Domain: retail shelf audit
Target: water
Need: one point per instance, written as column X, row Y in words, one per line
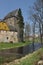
column 19, row 52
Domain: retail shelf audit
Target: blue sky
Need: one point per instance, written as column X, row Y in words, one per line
column 7, row 6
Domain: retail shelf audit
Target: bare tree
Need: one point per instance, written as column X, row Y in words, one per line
column 37, row 15
column 33, row 34
column 27, row 30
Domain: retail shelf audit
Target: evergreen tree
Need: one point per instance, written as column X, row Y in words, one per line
column 20, row 25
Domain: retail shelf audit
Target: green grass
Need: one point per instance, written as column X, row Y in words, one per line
column 13, row 45
column 33, row 58
column 30, row 59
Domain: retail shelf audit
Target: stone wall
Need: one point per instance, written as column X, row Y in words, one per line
column 11, row 21
column 8, row 36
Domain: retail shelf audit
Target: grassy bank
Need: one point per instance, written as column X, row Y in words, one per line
column 10, row 58
column 30, row 59
column 13, row 45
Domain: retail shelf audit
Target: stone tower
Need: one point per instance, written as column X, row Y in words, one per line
column 12, row 21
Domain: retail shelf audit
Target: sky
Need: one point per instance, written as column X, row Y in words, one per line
column 7, row 6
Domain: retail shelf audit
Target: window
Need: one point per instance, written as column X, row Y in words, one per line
column 7, row 38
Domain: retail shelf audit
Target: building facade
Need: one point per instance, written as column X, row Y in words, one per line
column 9, row 29
column 6, row 35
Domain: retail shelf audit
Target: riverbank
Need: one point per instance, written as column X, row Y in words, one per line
column 8, row 55
column 13, row 45
column 30, row 59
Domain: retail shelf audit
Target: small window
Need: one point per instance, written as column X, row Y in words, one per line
column 7, row 37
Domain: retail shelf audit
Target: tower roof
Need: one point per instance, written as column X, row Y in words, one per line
column 14, row 13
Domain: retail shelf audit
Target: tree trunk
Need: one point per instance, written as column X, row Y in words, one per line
column 33, row 36
column 42, row 30
column 40, row 34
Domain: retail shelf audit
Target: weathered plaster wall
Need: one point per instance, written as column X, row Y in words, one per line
column 8, row 36
column 11, row 21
